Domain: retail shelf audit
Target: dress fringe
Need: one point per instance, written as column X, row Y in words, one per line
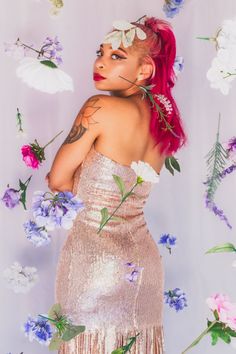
column 149, row 341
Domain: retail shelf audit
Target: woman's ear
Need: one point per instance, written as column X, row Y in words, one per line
column 147, row 69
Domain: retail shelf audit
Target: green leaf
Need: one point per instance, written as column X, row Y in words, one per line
column 105, row 215
column 214, row 338
column 55, row 311
column 48, row 63
column 216, row 160
column 72, row 331
column 118, row 351
column 22, row 185
column 225, row 337
column 55, row 342
column 168, row 165
column 120, row 184
column 175, row 163
column 226, row 247
column 117, row 218
column 230, row 331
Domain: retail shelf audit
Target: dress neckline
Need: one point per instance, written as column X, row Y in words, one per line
column 116, row 162
column 109, row 159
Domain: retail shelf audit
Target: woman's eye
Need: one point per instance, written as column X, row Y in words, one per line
column 117, row 56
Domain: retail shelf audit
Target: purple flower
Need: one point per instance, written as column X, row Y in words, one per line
column 176, row 298
column 36, row 234
column 51, row 47
column 167, row 241
column 232, row 145
column 178, row 64
column 133, row 276
column 38, row 329
column 11, row 198
column 210, row 204
column 172, row 7
column 54, row 211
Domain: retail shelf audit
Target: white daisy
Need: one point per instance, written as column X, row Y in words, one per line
column 124, row 33
column 44, row 76
column 144, row 172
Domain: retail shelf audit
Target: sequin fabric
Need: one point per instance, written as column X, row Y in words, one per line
column 94, row 283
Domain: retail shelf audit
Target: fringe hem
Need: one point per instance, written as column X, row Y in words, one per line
column 149, row 341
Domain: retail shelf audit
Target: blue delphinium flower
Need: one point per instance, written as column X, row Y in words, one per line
column 172, row 7
column 175, row 298
column 11, row 198
column 52, row 47
column 167, row 241
column 38, row 329
column 178, row 64
column 210, row 204
column 38, row 235
column 54, row 211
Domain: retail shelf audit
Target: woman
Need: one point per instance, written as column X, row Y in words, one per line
column 95, row 277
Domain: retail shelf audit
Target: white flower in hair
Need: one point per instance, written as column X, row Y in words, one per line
column 166, row 103
column 144, row 172
column 124, row 33
column 44, row 75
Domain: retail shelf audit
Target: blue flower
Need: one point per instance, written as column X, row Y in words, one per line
column 167, row 241
column 38, row 329
column 178, row 64
column 175, row 298
column 172, row 7
column 57, row 210
column 11, row 198
column 38, row 235
column 210, row 204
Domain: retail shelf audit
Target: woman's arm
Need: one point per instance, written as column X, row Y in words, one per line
column 87, row 127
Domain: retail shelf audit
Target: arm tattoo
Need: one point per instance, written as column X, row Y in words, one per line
column 85, row 118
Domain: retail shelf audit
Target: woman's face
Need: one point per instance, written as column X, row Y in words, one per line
column 111, row 64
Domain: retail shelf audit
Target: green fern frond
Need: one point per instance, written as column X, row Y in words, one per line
column 216, row 161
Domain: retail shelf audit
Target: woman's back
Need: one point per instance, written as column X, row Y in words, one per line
column 126, row 136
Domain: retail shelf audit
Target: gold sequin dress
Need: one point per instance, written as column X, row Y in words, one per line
column 111, row 282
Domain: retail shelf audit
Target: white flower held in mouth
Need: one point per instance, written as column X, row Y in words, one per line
column 144, row 172
column 124, row 33
column 44, row 76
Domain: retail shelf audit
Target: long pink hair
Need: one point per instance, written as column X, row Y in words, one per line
column 160, row 45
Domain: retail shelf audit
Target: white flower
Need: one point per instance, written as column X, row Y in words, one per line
column 227, row 35
column 124, row 33
column 20, row 279
column 145, row 171
column 217, row 76
column 14, row 50
column 42, row 77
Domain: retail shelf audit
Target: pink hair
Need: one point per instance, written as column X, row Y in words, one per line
column 160, row 46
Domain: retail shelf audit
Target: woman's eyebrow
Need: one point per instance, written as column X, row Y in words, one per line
column 101, row 45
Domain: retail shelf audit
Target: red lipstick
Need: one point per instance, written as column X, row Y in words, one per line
column 97, row 77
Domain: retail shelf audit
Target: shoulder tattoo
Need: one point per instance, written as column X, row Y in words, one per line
column 85, row 119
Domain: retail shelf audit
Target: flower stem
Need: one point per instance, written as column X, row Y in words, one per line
column 121, row 202
column 197, row 340
column 207, row 38
column 52, row 140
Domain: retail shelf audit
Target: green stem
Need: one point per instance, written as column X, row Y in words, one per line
column 207, row 38
column 228, row 75
column 52, row 140
column 200, row 337
column 122, row 201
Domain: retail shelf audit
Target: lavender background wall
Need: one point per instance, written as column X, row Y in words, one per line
column 175, row 205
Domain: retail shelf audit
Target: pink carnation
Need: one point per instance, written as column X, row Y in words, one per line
column 29, row 157
column 225, row 309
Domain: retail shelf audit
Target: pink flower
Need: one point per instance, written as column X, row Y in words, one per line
column 225, row 309
column 29, row 157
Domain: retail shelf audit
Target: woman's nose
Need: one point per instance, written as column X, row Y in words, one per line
column 99, row 64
